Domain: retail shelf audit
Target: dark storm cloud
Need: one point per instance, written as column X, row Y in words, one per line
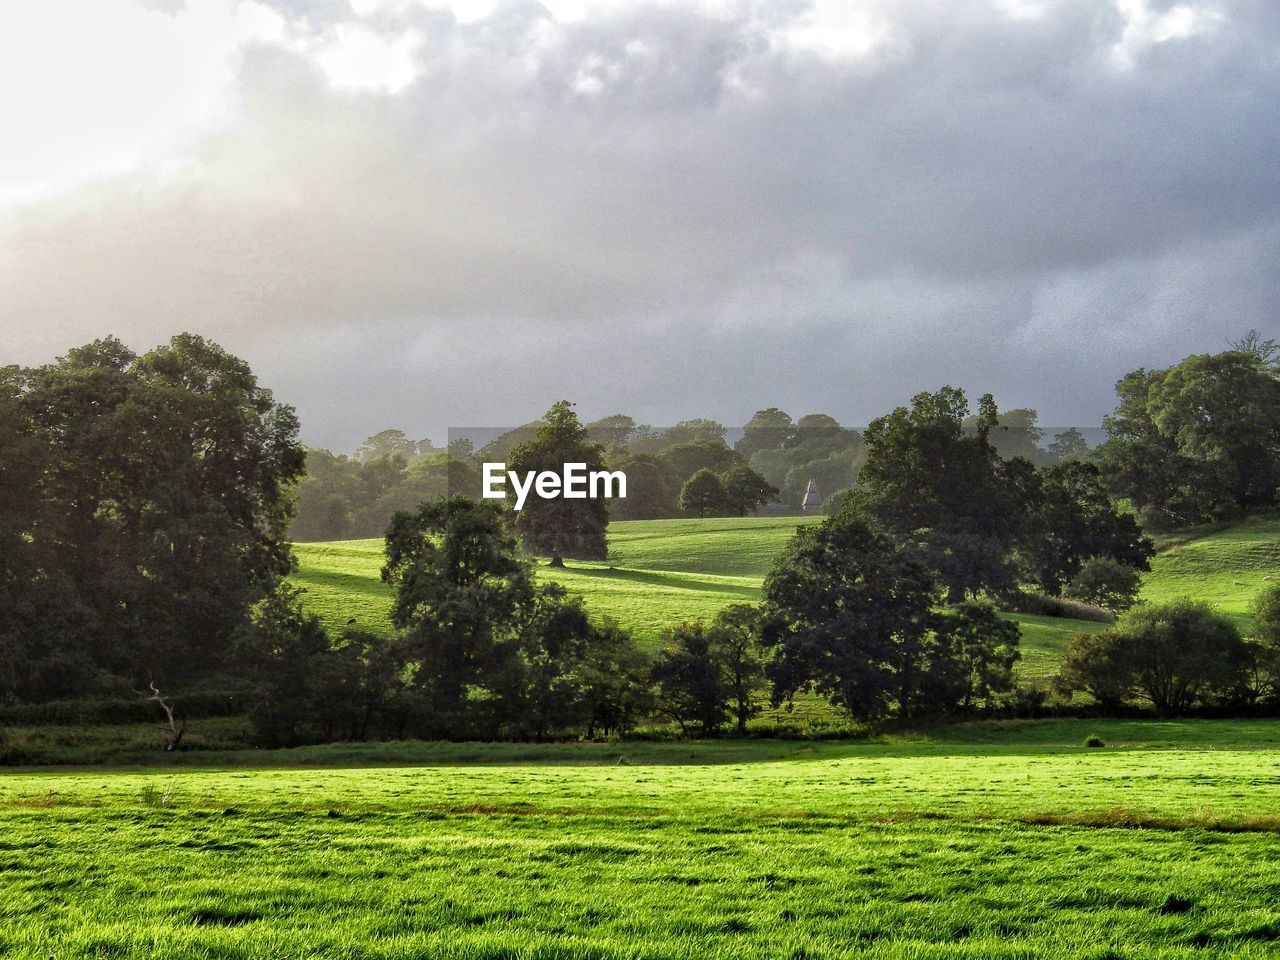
column 679, row 211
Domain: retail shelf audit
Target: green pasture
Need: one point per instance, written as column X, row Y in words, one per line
column 998, row 840
column 661, row 573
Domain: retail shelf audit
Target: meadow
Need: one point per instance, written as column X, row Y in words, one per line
column 661, row 573
column 1008, row 840
column 996, row 840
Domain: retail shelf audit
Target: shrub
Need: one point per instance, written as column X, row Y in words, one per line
column 1106, row 583
column 1177, row 655
column 1093, row 740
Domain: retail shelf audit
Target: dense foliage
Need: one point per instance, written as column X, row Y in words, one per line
column 145, row 503
column 1197, row 441
column 851, row 614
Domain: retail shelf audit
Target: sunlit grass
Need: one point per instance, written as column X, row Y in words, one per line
column 985, row 840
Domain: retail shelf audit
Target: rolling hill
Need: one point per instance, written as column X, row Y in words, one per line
column 664, row 572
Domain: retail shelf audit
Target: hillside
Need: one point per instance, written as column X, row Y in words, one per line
column 663, row 572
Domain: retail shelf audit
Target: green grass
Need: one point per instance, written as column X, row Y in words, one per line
column 1227, row 567
column 997, row 841
column 661, row 573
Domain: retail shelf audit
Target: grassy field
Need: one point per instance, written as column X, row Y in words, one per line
column 664, row 572
column 1228, row 567
column 1007, row 840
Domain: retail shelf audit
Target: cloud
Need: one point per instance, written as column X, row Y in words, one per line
column 408, row 217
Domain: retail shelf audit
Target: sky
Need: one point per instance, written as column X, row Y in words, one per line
column 427, row 215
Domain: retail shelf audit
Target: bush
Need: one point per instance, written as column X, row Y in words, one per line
column 1106, row 583
column 1176, row 655
column 1093, row 740
column 1043, row 605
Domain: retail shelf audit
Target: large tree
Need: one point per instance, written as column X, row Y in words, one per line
column 1073, row 520
column 942, row 489
column 1199, row 440
column 158, row 506
column 560, row 527
column 487, row 652
column 850, row 614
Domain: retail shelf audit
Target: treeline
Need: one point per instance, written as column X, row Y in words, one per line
column 144, row 503
column 690, row 469
column 484, row 651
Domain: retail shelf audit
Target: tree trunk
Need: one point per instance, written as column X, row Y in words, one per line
column 556, row 561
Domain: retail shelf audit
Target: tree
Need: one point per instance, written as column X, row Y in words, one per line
column 1073, row 520
column 650, row 493
column 845, row 611
column 735, row 644
column 745, row 491
column 615, row 679
column 690, row 680
column 766, row 430
column 1106, row 583
column 1267, row 351
column 941, row 489
column 703, row 494
column 461, row 588
column 1177, row 655
column 683, row 460
column 1098, row 665
column 694, row 431
column 613, row 431
column 1266, row 640
column 1199, row 440
column 559, row 527
column 969, row 658
column 159, row 510
column 387, row 443
column 849, row 613
column 1016, row 433
column 1068, row 444
column 488, row 652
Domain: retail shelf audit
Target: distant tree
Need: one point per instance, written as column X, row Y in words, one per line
column 690, row 680
column 560, row 527
column 745, row 491
column 650, row 493
column 703, row 494
column 460, row 448
column 1177, row 655
column 1106, row 583
column 1068, row 444
column 683, row 460
column 694, row 431
column 387, row 443
column 766, row 430
column 1072, row 519
column 612, row 431
column 1016, row 433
